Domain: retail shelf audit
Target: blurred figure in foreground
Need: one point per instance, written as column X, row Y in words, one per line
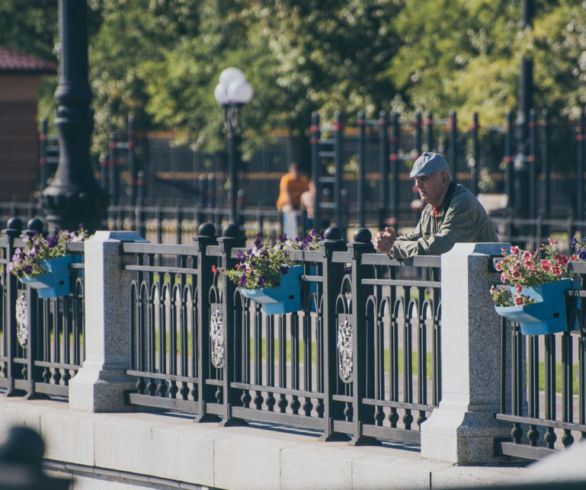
column 21, row 457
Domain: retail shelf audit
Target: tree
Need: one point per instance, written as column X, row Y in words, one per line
column 465, row 54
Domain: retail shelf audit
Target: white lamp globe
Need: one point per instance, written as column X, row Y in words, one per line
column 221, row 94
column 230, row 75
column 240, row 92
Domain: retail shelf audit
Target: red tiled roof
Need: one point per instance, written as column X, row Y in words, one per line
column 12, row 61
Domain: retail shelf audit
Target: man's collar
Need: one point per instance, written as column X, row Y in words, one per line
column 446, row 202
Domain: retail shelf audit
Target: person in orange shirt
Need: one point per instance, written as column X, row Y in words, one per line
column 292, row 185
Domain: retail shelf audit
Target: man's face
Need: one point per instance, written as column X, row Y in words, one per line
column 432, row 187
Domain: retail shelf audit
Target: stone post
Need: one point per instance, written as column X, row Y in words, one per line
column 100, row 384
column 463, row 428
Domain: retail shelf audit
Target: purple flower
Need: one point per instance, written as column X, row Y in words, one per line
column 261, row 281
column 283, row 269
column 265, row 252
column 242, row 281
column 282, row 238
column 574, row 242
column 258, row 241
column 582, row 255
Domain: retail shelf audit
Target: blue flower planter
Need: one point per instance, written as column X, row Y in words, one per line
column 55, row 282
column 546, row 316
column 285, row 298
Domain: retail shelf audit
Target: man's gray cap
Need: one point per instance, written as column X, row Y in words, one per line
column 428, row 163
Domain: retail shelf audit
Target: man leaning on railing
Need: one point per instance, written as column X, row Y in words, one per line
column 452, row 214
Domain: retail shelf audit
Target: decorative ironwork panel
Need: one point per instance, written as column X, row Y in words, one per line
column 345, row 345
column 22, row 318
column 217, row 335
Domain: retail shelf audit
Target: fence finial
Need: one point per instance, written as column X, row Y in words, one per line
column 207, row 229
column 363, row 235
column 333, row 233
column 13, row 227
column 231, row 230
column 34, row 224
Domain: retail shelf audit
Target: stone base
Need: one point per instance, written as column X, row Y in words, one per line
column 98, row 390
column 462, row 437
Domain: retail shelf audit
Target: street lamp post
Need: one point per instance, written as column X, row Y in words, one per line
column 232, row 92
column 521, row 161
column 73, row 196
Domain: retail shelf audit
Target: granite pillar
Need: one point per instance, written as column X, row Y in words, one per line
column 100, row 384
column 463, row 428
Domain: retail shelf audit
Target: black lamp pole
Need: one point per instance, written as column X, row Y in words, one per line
column 231, row 110
column 522, row 135
column 232, row 121
column 73, row 196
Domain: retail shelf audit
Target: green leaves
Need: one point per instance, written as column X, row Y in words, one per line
column 160, row 60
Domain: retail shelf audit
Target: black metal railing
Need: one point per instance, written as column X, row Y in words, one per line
column 544, row 383
column 41, row 340
column 346, row 364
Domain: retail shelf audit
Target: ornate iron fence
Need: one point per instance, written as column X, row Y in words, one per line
column 544, row 387
column 346, row 364
column 41, row 340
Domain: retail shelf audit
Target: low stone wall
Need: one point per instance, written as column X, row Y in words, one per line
column 131, row 450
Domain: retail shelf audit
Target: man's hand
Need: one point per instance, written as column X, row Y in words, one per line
column 384, row 240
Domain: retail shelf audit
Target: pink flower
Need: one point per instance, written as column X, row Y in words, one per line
column 545, row 265
column 515, row 250
column 519, row 300
column 504, row 277
column 526, row 255
column 499, row 266
column 552, row 241
column 529, row 264
column 518, row 288
column 562, row 260
column 557, row 270
column 573, row 258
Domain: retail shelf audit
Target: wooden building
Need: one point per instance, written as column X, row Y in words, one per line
column 20, row 76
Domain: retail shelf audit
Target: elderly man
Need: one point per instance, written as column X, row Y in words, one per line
column 452, row 214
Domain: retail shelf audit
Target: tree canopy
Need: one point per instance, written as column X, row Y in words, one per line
column 160, row 59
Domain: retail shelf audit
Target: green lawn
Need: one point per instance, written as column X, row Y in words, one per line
column 558, row 378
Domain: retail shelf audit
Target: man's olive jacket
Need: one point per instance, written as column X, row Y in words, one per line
column 461, row 218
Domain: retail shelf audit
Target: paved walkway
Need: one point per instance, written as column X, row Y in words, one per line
column 126, row 450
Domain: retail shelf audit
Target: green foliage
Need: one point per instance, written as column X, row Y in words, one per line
column 160, row 60
column 32, row 30
column 465, row 55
